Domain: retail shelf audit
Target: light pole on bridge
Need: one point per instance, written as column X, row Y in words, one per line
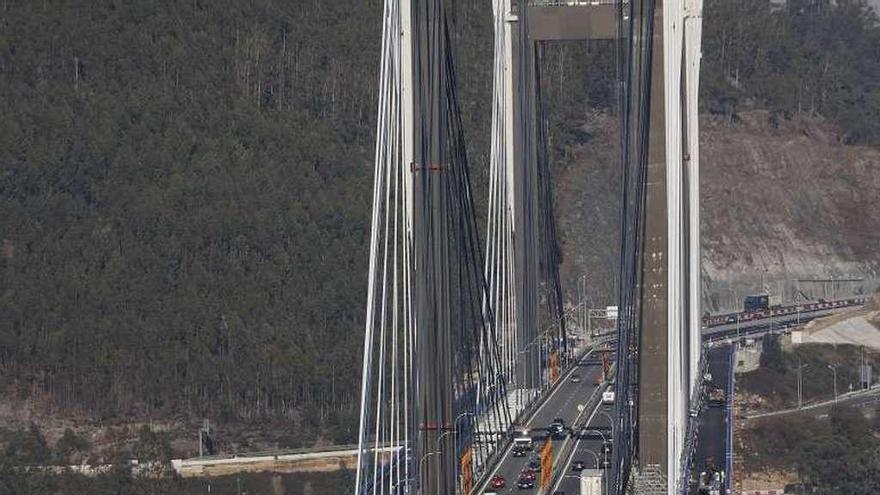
column 429, row 454
column 529, row 366
column 735, row 297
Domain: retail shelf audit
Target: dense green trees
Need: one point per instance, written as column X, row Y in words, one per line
column 185, row 185
column 185, row 195
column 839, row 454
column 815, row 57
column 185, row 202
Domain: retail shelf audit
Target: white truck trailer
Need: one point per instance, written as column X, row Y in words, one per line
column 591, row 482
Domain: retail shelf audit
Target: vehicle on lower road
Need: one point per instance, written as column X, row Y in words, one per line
column 578, row 466
column 717, row 397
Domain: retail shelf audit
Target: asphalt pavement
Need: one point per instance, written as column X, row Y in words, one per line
column 588, row 449
column 712, row 443
column 563, row 403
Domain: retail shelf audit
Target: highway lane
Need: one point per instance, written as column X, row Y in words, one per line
column 747, row 328
column 588, row 449
column 562, row 404
column 712, row 443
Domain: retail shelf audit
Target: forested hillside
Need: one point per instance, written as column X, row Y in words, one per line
column 185, row 199
column 815, row 57
column 185, row 188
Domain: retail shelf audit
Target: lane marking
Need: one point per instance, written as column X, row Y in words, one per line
column 482, row 486
column 578, row 441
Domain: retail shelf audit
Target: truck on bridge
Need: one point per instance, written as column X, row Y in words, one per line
column 522, row 441
column 591, row 482
column 760, row 302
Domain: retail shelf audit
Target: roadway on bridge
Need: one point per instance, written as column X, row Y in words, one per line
column 588, row 449
column 563, row 403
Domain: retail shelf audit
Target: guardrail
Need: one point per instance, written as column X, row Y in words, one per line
column 196, row 465
column 728, row 476
column 698, row 396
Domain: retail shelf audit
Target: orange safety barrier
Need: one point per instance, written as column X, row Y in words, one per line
column 467, row 471
column 546, row 463
column 554, row 367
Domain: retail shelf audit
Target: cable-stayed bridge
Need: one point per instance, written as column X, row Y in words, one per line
column 467, row 344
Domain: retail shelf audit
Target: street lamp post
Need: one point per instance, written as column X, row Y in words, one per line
column 447, row 432
column 584, row 310
column 604, row 438
column 455, row 427
column 526, row 366
column 610, row 421
column 429, row 454
column 405, row 484
column 595, row 456
column 735, row 298
column 800, row 383
column 833, row 369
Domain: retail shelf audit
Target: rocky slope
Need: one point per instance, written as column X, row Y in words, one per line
column 787, row 200
column 782, row 199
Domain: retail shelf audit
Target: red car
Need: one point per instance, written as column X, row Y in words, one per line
column 527, row 474
column 498, row 482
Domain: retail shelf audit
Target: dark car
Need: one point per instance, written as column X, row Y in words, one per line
column 575, row 378
column 556, row 428
column 525, row 483
column 534, row 465
column 578, row 466
column 519, row 452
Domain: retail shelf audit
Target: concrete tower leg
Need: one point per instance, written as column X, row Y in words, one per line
column 431, row 286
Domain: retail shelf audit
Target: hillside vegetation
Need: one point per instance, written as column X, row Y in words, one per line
column 185, row 189
column 837, row 454
column 814, row 57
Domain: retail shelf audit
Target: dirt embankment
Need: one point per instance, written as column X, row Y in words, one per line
column 780, row 198
column 787, row 198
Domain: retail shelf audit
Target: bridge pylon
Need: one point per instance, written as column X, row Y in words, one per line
column 660, row 338
column 431, row 383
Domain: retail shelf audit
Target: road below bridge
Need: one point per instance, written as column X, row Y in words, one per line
column 714, row 435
